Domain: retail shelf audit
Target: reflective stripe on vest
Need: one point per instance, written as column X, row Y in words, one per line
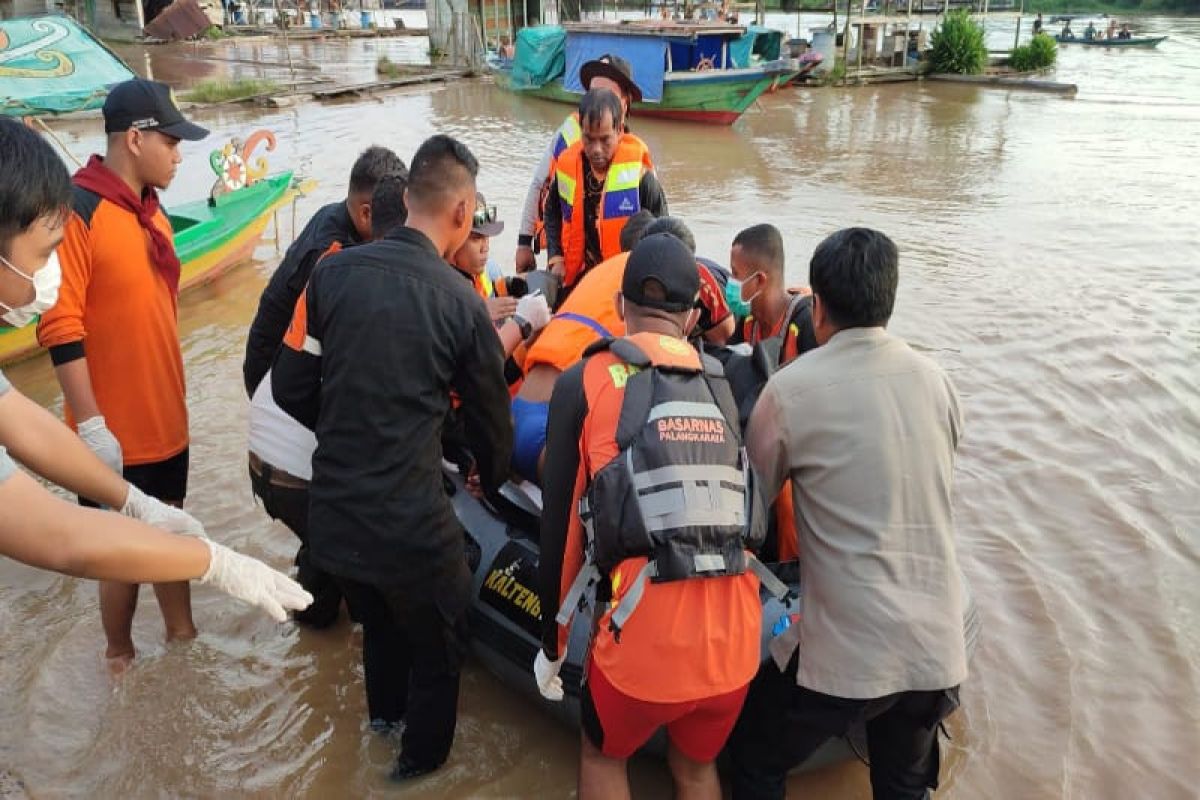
column 568, row 134
column 566, row 194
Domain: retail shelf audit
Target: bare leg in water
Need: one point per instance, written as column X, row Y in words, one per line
column 601, row 777
column 118, row 602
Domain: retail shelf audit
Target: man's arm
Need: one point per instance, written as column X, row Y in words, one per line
column 487, row 415
column 275, row 309
column 651, row 195
column 529, row 214
column 296, row 373
column 560, row 476
column 40, row 441
column 767, row 443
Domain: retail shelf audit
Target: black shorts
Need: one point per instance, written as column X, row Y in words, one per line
column 165, row 480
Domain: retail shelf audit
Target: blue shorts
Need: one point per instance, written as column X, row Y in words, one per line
column 529, row 436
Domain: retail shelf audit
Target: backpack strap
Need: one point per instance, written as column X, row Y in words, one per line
column 722, row 393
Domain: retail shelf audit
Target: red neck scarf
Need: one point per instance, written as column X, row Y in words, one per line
column 96, row 177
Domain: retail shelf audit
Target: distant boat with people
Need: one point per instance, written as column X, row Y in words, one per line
column 1140, row 41
column 695, row 71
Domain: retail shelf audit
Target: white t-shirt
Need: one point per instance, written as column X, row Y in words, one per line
column 276, row 437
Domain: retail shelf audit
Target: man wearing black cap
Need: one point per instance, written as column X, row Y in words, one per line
column 609, row 72
column 120, row 279
column 643, row 435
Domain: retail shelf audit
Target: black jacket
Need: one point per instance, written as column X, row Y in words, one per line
column 330, row 224
column 396, row 330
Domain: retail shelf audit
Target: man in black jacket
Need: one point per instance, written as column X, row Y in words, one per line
column 346, row 222
column 388, row 332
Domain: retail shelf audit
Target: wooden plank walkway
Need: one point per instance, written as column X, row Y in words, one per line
column 360, row 89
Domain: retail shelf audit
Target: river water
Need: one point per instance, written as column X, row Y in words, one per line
column 1049, row 262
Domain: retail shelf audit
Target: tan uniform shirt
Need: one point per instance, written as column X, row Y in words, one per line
column 866, row 429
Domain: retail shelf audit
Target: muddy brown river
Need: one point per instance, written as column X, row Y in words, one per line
column 1050, row 261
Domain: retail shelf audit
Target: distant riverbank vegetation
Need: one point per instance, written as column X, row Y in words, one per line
column 1040, row 53
column 220, row 91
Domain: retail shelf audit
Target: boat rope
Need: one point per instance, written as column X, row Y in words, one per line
column 54, row 137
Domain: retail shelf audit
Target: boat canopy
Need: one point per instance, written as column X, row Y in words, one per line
column 50, row 65
column 540, row 56
column 765, row 43
column 646, row 56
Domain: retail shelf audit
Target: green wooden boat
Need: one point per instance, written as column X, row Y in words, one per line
column 700, row 72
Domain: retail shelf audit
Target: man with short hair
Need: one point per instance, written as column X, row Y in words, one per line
column 866, row 429
column 281, row 449
column 777, row 318
column 113, row 335
column 388, row 332
column 646, row 500
column 610, row 72
column 346, row 222
column 599, row 182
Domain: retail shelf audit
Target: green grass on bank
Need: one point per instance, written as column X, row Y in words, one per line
column 219, row 91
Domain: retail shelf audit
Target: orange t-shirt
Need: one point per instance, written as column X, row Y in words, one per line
column 562, row 342
column 686, row 640
column 115, row 301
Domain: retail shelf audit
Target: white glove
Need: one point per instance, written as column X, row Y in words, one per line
column 545, row 672
column 152, row 511
column 533, row 309
column 99, row 439
column 252, row 581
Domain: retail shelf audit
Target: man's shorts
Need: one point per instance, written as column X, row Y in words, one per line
column 165, row 480
column 529, row 436
column 618, row 724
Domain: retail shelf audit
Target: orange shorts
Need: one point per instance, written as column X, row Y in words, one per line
column 619, row 725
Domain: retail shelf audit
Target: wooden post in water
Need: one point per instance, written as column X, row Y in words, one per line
column 1017, row 37
column 862, row 31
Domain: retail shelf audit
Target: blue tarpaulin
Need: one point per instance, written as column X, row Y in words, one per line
column 646, row 56
column 539, row 57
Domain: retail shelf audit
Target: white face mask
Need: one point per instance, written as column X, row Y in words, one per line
column 45, row 292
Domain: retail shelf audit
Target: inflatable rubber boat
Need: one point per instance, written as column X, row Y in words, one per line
column 502, row 551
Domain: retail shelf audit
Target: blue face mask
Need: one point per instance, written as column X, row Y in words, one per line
column 740, row 306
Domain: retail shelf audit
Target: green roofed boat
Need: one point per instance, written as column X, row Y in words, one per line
column 696, row 71
column 50, row 65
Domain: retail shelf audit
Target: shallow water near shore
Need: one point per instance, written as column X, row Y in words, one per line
column 1050, row 260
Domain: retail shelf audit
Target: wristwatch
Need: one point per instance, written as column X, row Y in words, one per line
column 524, row 325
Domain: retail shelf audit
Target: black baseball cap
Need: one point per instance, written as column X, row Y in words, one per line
column 614, row 68
column 664, row 259
column 147, row 106
column 486, row 221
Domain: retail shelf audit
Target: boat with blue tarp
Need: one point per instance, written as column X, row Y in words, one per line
column 696, row 71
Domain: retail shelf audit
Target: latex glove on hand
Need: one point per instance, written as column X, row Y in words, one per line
column 252, row 581
column 152, row 511
column 99, row 439
column 533, row 309
column 545, row 672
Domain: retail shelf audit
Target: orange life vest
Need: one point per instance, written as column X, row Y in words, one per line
column 587, row 315
column 619, row 200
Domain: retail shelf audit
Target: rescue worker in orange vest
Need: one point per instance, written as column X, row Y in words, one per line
column 516, row 319
column 599, row 183
column 758, row 294
column 588, row 315
column 606, row 72
column 646, row 475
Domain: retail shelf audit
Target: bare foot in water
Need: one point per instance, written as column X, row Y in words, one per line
column 118, row 665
